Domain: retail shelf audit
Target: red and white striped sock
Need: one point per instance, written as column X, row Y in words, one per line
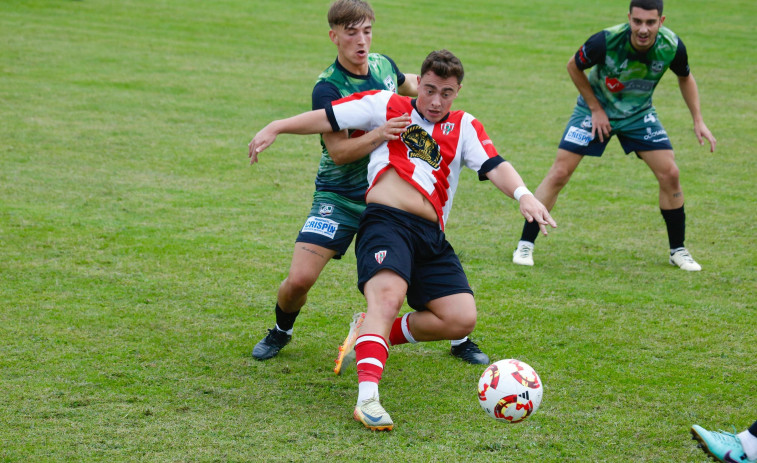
column 371, row 352
column 400, row 333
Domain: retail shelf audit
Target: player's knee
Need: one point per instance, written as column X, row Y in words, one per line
column 299, row 283
column 385, row 310
column 461, row 331
column 390, row 303
column 559, row 175
column 463, row 325
column 669, row 177
column 385, row 304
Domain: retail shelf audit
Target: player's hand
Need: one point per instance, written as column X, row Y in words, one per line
column 533, row 210
column 395, row 126
column 701, row 131
column 261, row 141
column 600, row 125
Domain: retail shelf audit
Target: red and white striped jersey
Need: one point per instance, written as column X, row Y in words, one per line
column 428, row 156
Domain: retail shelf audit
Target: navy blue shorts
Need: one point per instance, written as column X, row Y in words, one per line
column 413, row 248
column 642, row 132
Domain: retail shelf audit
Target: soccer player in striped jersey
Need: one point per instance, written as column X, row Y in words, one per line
column 627, row 61
column 401, row 247
column 341, row 181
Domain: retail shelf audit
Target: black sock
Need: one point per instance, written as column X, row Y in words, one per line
column 675, row 220
column 530, row 231
column 284, row 320
column 753, row 429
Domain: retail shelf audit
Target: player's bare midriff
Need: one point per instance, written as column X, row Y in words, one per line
column 391, row 190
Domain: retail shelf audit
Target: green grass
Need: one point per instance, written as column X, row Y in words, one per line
column 140, row 254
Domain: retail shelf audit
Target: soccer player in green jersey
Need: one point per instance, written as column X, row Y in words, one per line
column 626, row 61
column 341, row 182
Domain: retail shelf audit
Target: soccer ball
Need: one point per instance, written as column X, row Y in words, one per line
column 509, row 390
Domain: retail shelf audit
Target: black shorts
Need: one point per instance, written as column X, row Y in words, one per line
column 413, row 248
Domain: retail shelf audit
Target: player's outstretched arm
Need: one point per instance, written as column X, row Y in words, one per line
column 344, row 149
column 690, row 94
column 507, row 179
column 302, row 124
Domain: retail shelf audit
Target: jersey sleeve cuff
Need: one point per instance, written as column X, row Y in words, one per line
column 332, row 118
column 490, row 164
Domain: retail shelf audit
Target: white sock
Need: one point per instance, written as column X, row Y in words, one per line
column 366, row 390
column 526, row 243
column 289, row 331
column 749, row 442
column 458, row 342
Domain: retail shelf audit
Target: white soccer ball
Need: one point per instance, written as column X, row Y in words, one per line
column 509, row 390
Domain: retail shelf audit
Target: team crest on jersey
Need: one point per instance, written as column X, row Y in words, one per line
column 657, row 66
column 448, row 127
column 380, row 256
column 326, row 209
column 421, row 145
column 389, row 83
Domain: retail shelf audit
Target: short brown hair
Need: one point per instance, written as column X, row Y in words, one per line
column 444, row 64
column 347, row 13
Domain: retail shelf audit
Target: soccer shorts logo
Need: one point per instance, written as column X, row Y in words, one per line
column 656, row 133
column 320, row 226
column 326, row 209
column 578, row 136
column 380, row 256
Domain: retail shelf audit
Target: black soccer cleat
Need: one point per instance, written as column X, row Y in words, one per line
column 270, row 346
column 469, row 352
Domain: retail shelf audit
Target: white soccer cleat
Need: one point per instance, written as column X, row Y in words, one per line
column 683, row 259
column 373, row 416
column 524, row 254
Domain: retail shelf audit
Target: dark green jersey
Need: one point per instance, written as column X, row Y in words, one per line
column 350, row 180
column 624, row 79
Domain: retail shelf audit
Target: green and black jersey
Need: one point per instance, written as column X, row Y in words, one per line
column 350, row 180
column 624, row 79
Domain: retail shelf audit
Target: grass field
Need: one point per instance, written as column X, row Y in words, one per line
column 140, row 254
